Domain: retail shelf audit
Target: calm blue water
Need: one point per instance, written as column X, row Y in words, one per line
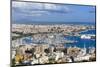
column 82, row 42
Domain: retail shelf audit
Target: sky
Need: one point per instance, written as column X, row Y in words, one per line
column 32, row 12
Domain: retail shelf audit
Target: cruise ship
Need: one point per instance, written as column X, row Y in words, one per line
column 88, row 36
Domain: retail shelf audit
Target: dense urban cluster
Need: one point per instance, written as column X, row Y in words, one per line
column 63, row 28
column 42, row 54
column 47, row 44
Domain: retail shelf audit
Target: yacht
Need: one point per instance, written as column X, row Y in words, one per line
column 85, row 37
column 88, row 36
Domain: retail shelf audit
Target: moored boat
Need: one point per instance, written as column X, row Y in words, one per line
column 87, row 36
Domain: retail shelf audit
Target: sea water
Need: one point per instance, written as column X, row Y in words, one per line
column 82, row 42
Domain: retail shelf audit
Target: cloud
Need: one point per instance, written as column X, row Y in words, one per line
column 26, row 5
column 30, row 9
column 18, row 4
column 35, row 13
column 51, row 6
column 40, row 6
column 56, row 8
column 27, row 8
